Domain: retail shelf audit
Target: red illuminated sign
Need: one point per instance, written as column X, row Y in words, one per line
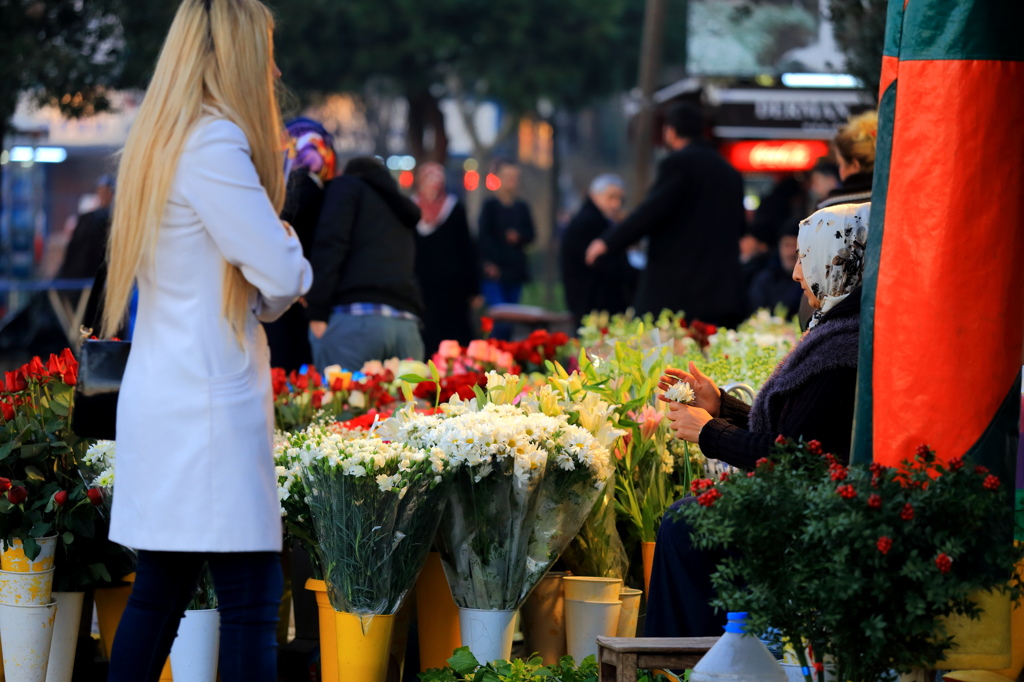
column 769, row 156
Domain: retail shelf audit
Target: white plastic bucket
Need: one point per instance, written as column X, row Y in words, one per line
column 630, row 613
column 26, row 632
column 14, row 558
column 25, row 589
column 194, row 652
column 585, row 621
column 65, row 636
column 488, row 634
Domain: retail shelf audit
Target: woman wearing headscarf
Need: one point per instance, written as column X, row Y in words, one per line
column 446, row 261
column 309, row 166
column 810, row 395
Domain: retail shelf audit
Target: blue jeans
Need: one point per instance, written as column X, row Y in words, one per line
column 249, row 587
column 495, row 293
column 353, row 340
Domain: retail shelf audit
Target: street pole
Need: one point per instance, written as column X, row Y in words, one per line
column 651, row 46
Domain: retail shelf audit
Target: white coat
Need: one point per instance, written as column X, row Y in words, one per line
column 194, row 466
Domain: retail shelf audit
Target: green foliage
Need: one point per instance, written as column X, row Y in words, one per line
column 859, row 27
column 55, row 49
column 463, row 667
column 859, row 562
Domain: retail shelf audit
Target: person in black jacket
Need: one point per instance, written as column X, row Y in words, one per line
column 774, row 285
column 446, row 261
column 810, row 395
column 87, row 248
column 365, row 303
column 608, row 284
column 694, row 218
column 505, row 230
column 311, row 164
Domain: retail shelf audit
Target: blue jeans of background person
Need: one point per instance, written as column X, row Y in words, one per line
column 249, row 587
column 679, row 604
column 495, row 293
column 352, row 340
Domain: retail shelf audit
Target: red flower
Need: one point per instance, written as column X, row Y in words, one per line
column 981, row 471
column 95, row 495
column 781, row 440
column 724, row 476
column 761, row 462
column 559, row 339
column 907, row 513
column 838, row 472
column 819, row 667
column 923, row 450
column 54, row 365
column 60, row 498
column 956, row 464
column 884, row 544
column 875, row 502
column 991, row 482
column 15, row 381
column 604, row 331
column 814, row 447
column 847, row 492
column 17, row 494
column 68, row 358
column 699, row 484
column 5, row 485
column 708, row 498
column 34, row 368
column 7, row 409
column 944, row 563
column 317, row 399
column 486, row 325
column 750, row 474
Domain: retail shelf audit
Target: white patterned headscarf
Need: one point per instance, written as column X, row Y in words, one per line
column 831, row 245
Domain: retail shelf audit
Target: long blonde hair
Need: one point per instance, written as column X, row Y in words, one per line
column 218, row 54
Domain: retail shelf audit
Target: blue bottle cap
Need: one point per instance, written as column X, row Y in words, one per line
column 737, row 615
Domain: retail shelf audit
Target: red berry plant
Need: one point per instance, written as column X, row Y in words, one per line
column 859, row 564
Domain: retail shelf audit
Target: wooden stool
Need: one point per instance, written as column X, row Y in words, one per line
column 619, row 657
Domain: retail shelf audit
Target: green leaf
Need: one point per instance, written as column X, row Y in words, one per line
column 463, row 661
column 40, row 530
column 412, row 378
column 34, row 474
column 7, row 448
column 433, row 371
column 33, row 450
column 68, row 537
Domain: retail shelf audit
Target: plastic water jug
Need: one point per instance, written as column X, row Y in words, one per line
column 738, row 658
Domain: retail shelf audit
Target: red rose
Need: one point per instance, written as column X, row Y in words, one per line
column 884, row 544
column 70, row 375
column 535, row 358
column 7, row 409
column 750, row 474
column 35, row 368
column 5, row 485
column 60, row 498
column 781, row 440
column 923, row 450
column 981, row 471
column 814, row 447
column 875, row 502
column 708, row 498
column 907, row 513
column 95, row 495
column 54, row 366
column 317, row 400
column 486, row 325
column 68, row 358
column 991, row 482
column 17, row 494
column 15, row 381
column 944, row 563
column 604, row 331
column 560, row 338
column 761, row 462
column 847, row 492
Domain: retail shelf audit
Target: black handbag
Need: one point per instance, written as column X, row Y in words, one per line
column 101, row 365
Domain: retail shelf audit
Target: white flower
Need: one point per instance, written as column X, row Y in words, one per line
column 680, row 392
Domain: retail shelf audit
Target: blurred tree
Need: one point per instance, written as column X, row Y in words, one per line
column 515, row 52
column 63, row 52
column 859, row 27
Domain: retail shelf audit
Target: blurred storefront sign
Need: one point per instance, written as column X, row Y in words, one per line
column 769, row 156
column 774, row 113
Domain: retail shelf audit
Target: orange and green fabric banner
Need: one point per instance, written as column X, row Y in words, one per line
column 943, row 316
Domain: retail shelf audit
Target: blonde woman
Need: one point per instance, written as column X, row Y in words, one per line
column 196, row 227
column 854, row 146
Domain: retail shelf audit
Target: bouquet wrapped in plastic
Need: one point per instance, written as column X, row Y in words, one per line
column 525, row 483
column 375, row 507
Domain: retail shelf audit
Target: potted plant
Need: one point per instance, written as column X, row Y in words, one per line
column 860, row 564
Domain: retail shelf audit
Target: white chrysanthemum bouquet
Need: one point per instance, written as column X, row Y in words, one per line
column 375, row 506
column 524, row 483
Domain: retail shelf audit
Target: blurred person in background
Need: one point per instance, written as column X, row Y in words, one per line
column 855, row 155
column 824, row 179
column 610, row 283
column 505, row 230
column 774, row 285
column 88, row 245
column 446, row 261
column 365, row 303
column 309, row 167
column 196, row 226
column 694, row 218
